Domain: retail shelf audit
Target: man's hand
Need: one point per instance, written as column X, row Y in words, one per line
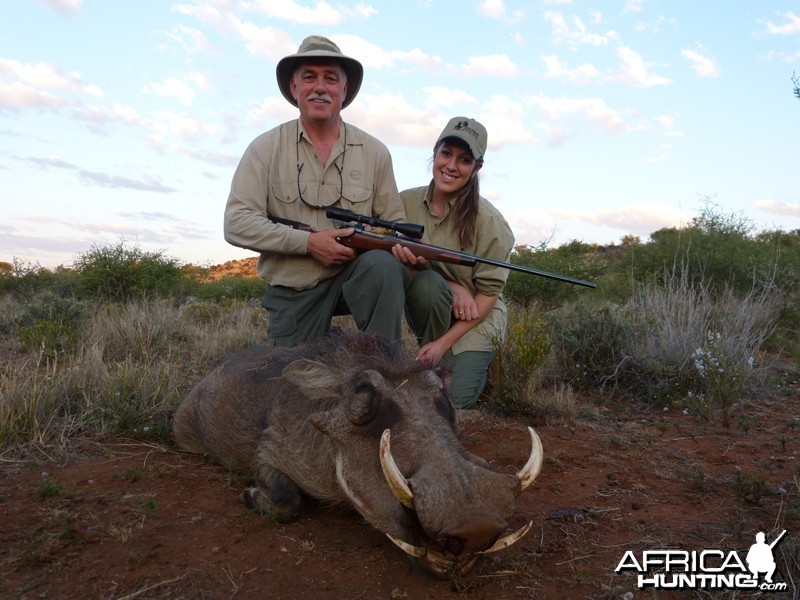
column 323, row 247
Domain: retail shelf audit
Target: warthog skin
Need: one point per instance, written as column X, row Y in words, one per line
column 307, row 422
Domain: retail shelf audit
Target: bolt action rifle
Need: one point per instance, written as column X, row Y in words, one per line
column 408, row 235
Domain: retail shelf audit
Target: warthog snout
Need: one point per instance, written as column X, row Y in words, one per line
column 474, row 536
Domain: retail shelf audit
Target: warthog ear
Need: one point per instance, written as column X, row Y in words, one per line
column 314, row 379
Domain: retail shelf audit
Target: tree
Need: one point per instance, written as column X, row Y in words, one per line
column 796, row 82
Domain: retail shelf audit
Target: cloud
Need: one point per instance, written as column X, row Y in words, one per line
column 633, row 70
column 321, row 13
column 668, row 125
column 563, row 115
column 368, row 53
column 181, row 126
column 575, row 33
column 704, row 66
column 108, row 115
column 66, row 8
column 445, row 97
column 18, row 96
column 191, row 41
column 507, row 122
column 778, row 208
column 145, row 184
column 149, row 216
column 51, row 161
column 664, row 155
column 632, row 6
column 653, row 27
column 375, row 57
column 534, row 227
column 181, row 89
column 791, row 27
column 268, row 42
column 496, row 9
column 44, row 76
column 391, row 118
column 640, row 218
column 497, row 65
column 580, row 75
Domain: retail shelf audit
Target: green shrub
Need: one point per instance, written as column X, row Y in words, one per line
column 119, row 272
column 591, row 344
column 48, row 336
column 24, row 280
column 518, row 355
column 721, row 251
column 231, row 287
column 576, row 259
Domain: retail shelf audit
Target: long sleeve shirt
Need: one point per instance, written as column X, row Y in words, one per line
column 281, row 175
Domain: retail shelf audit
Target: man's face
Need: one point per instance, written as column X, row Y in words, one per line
column 320, row 89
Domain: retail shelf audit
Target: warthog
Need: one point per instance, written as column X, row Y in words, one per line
column 353, row 419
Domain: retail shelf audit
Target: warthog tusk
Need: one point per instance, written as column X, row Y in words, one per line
column 506, row 541
column 528, row 473
column 417, row 551
column 397, row 483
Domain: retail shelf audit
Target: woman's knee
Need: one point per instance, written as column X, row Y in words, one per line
column 428, row 287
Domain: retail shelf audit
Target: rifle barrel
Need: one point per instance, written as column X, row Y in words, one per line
column 470, row 259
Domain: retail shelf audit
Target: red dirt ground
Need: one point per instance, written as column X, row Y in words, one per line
column 132, row 520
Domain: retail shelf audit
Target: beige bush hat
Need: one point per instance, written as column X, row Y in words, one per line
column 468, row 131
column 316, row 46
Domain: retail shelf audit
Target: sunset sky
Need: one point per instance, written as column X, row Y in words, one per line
column 126, row 120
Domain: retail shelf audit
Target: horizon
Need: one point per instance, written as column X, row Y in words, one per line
column 605, row 120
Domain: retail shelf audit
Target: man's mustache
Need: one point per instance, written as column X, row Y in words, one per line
column 323, row 97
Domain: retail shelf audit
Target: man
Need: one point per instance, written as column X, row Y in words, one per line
column 296, row 171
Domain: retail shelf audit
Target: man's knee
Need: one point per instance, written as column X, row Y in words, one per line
column 380, row 262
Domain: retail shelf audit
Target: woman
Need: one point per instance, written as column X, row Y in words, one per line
column 457, row 312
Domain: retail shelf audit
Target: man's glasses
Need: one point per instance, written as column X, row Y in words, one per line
column 339, row 169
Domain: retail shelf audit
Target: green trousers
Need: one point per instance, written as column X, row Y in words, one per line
column 429, row 310
column 371, row 288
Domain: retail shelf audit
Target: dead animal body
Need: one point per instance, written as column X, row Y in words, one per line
column 353, row 419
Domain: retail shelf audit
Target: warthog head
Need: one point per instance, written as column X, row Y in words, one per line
column 356, row 420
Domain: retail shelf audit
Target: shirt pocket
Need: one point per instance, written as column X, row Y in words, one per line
column 287, row 193
column 354, row 198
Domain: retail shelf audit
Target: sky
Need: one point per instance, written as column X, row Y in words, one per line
column 124, row 121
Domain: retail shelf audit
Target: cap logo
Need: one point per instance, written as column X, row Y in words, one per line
column 464, row 126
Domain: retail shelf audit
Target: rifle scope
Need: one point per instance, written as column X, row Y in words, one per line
column 412, row 230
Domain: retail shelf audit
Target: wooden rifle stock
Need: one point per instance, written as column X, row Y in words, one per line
column 362, row 239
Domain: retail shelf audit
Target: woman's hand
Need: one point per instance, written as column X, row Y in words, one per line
column 432, row 352
column 406, row 256
column 464, row 306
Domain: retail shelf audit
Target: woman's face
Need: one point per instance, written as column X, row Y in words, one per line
column 453, row 166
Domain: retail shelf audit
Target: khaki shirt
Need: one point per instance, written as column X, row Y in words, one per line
column 267, row 182
column 493, row 239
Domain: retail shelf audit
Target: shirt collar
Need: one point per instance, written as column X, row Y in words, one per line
column 339, row 147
